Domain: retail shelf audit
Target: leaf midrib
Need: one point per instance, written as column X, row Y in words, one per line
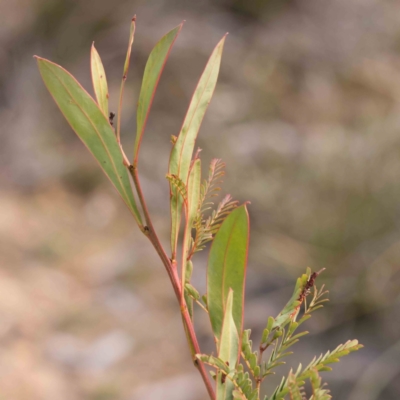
column 97, row 132
column 177, row 217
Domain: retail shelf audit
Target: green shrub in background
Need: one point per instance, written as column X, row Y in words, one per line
column 237, row 370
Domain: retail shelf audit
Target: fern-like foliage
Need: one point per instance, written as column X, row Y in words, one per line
column 279, row 336
column 296, row 392
column 209, row 187
column 250, row 357
column 280, row 332
column 243, row 384
column 316, row 365
column 318, row 390
column 179, row 185
column 206, row 228
column 285, row 337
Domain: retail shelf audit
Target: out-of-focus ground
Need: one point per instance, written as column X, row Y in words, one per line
column 307, row 117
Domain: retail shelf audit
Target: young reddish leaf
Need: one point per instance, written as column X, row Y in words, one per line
column 228, row 350
column 152, row 72
column 99, row 80
column 182, row 151
column 227, row 269
column 91, row 125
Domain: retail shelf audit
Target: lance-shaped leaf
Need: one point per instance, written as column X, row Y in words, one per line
column 190, row 291
column 182, row 151
column 124, row 77
column 193, row 193
column 227, row 269
column 99, row 80
column 91, row 125
column 228, row 351
column 152, row 73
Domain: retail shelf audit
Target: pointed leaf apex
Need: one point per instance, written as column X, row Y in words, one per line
column 134, row 18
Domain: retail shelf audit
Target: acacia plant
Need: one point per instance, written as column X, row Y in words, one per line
column 237, row 369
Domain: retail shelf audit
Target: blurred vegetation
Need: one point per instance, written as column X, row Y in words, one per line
column 305, row 116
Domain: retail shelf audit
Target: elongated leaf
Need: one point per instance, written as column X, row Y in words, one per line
column 228, row 350
column 188, row 291
column 152, row 72
column 99, row 80
column 124, row 77
column 91, row 125
column 194, row 183
column 193, row 189
column 182, row 151
column 227, row 269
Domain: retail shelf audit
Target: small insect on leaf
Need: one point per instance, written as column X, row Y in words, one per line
column 111, row 117
column 91, row 125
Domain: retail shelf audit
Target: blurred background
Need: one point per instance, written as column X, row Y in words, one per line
column 306, row 115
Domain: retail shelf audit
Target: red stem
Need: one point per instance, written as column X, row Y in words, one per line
column 171, row 269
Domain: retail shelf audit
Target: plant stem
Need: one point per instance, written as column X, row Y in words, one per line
column 258, row 386
column 174, row 278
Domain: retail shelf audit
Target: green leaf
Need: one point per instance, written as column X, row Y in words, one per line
column 228, row 351
column 152, row 72
column 190, row 291
column 193, row 188
column 227, row 268
column 124, row 77
column 294, row 389
column 213, row 362
column 99, row 80
column 317, row 364
column 179, row 186
column 182, row 151
column 228, row 348
column 91, row 125
column 193, row 194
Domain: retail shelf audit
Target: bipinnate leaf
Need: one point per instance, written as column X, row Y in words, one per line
column 228, row 351
column 91, row 125
column 227, row 269
column 248, row 355
column 152, row 73
column 244, row 385
column 213, row 362
column 318, row 389
column 295, row 390
column 182, row 150
column 99, row 80
column 318, row 364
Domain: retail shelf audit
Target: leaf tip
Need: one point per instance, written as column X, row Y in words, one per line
column 134, row 18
